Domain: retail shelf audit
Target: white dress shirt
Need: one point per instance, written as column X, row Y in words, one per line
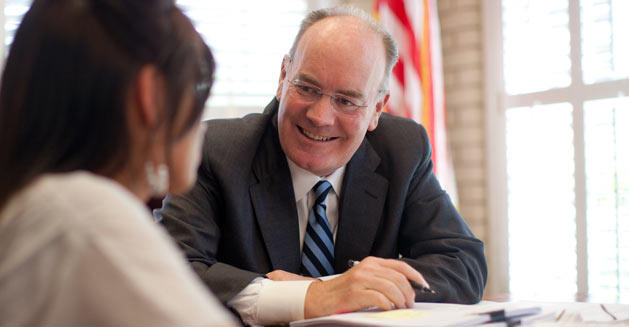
column 264, row 301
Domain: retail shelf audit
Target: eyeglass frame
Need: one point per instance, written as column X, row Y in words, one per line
column 318, row 94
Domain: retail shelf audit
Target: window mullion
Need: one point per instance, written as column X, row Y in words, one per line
column 497, row 243
column 580, row 200
column 579, row 149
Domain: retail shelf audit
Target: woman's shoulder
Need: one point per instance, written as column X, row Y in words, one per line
column 77, row 207
column 82, row 229
column 84, row 191
column 74, row 207
column 81, row 199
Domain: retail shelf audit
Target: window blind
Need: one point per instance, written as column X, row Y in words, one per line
column 607, row 180
column 605, row 31
column 13, row 12
column 536, row 43
column 248, row 39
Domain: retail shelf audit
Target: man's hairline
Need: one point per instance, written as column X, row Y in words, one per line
column 383, row 89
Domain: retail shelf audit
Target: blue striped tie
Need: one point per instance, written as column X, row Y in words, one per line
column 318, row 250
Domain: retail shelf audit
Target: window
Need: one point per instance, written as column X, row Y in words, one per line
column 13, row 12
column 540, row 197
column 607, row 200
column 558, row 123
column 248, row 39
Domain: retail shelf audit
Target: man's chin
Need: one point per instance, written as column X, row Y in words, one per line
column 313, row 166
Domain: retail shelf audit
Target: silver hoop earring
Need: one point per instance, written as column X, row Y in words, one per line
column 157, row 180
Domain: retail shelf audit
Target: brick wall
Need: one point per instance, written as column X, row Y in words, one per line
column 461, row 37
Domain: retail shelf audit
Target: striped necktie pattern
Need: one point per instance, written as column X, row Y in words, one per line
column 318, row 250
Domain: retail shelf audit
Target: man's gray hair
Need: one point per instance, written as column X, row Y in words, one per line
column 390, row 46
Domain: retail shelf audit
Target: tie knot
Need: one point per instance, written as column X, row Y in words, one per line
column 321, row 190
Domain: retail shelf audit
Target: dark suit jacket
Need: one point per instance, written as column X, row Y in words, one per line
column 240, row 219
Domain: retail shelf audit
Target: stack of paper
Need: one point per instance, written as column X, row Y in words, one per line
column 430, row 314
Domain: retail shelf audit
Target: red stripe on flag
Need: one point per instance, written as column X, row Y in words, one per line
column 399, row 75
column 398, row 72
column 399, row 10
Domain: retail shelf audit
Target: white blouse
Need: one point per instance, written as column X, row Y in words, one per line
column 77, row 249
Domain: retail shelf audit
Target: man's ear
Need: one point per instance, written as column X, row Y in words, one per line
column 376, row 114
column 147, row 93
column 280, row 84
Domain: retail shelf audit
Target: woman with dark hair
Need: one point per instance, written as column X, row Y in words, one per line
column 100, row 108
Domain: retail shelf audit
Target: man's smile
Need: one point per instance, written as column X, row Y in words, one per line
column 314, row 136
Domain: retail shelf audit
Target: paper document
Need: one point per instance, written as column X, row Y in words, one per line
column 425, row 314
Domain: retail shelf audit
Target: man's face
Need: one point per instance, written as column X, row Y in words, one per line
column 340, row 56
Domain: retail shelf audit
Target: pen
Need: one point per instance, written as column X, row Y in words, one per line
column 351, row 263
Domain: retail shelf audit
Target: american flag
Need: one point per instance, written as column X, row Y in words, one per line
column 417, row 90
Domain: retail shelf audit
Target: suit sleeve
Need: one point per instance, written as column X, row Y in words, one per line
column 193, row 220
column 435, row 240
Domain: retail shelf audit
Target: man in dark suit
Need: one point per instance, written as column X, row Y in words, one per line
column 257, row 232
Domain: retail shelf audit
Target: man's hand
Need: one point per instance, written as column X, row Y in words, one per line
column 281, row 275
column 374, row 282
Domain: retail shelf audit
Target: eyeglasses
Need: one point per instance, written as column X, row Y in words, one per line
column 311, row 93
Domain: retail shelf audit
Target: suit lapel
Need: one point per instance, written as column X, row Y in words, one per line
column 273, row 201
column 360, row 210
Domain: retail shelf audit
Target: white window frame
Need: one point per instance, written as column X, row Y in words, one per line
column 497, row 100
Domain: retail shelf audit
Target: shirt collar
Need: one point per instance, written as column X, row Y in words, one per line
column 304, row 181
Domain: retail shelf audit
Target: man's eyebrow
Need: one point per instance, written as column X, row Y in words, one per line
column 308, row 79
column 352, row 94
column 311, row 80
